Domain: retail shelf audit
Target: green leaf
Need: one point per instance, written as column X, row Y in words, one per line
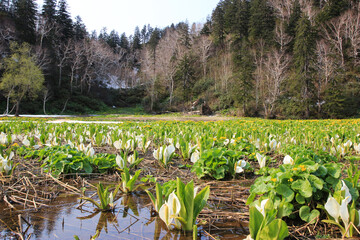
column 276, row 230
column 260, row 188
column 286, row 192
column 303, row 186
column 189, row 205
column 300, row 199
column 130, row 184
column 200, row 201
column 316, row 182
column 284, row 209
column 321, row 172
column 256, row 219
column 307, row 216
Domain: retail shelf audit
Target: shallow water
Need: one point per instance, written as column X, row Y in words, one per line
column 131, row 220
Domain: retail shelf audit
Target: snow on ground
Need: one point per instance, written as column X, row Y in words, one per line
column 87, row 122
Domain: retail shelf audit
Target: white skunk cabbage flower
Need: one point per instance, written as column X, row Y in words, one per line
column 147, row 144
column 239, row 166
column 257, row 143
column 248, row 237
column 261, row 208
column 348, row 144
column 131, row 159
column 288, row 160
column 3, row 138
column 347, row 191
column 273, row 144
column 90, row 151
column 335, row 210
column 195, row 156
column 261, row 159
column 170, row 209
column 357, row 147
column 26, row 142
column 120, row 162
column 118, row 144
column 5, row 165
column 158, row 153
column 168, row 151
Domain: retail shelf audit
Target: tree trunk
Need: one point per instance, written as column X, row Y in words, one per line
column 60, row 73
column 7, row 104
column 17, row 109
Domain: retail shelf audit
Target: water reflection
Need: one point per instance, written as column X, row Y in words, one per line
column 130, row 220
column 104, row 219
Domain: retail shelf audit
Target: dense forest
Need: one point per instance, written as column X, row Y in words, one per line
column 266, row 58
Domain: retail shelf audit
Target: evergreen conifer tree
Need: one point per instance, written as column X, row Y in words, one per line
column 64, row 21
column 243, row 79
column 79, row 29
column 262, row 21
column 136, row 43
column 304, row 53
column 25, row 17
column 218, row 24
column 49, row 10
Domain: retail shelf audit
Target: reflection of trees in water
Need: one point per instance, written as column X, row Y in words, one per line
column 161, row 232
column 48, row 218
column 105, row 219
column 134, row 202
column 130, row 202
column 38, row 224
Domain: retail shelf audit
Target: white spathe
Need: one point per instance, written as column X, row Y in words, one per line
column 288, row 160
column 261, row 208
column 333, row 208
column 261, row 159
column 195, row 157
column 239, row 166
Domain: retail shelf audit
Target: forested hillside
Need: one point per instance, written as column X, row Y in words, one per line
column 267, row 58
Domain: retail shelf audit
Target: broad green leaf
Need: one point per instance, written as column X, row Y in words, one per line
column 300, row 199
column 276, row 230
column 260, row 188
column 286, row 192
column 307, row 215
column 284, row 209
column 200, row 201
column 189, row 204
column 303, row 187
column 316, row 182
column 256, row 219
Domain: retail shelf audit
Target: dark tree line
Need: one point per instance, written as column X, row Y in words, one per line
column 270, row 58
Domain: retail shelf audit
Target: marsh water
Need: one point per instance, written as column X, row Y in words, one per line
column 131, row 220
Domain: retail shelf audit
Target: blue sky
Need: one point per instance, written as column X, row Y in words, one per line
column 125, row 15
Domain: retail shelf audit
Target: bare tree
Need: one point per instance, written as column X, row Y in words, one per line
column 203, row 47
column 222, row 69
column 149, row 73
column 167, row 49
column 62, row 52
column 326, row 66
column 7, row 34
column 44, row 28
column 352, row 31
column 76, row 60
column 335, row 35
column 281, row 37
column 282, row 8
column 46, row 97
column 308, row 9
column 276, row 68
column 42, row 59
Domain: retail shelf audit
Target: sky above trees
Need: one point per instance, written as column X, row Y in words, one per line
column 125, row 15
